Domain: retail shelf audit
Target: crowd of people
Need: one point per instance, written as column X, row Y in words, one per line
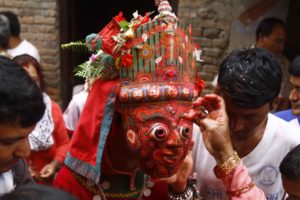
column 141, row 128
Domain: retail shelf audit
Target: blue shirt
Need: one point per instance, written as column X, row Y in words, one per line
column 287, row 115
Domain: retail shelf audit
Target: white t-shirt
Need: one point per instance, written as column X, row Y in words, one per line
column 25, row 47
column 263, row 162
column 295, row 122
column 74, row 109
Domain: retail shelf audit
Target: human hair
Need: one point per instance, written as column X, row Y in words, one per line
column 250, row 77
column 294, row 68
column 25, row 60
column 266, row 26
column 4, row 31
column 37, row 192
column 20, row 98
column 290, row 165
column 13, row 23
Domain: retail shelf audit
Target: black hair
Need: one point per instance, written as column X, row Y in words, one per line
column 266, row 26
column 4, row 31
column 290, row 165
column 20, row 98
column 294, row 68
column 26, row 59
column 37, row 192
column 13, row 23
column 250, row 77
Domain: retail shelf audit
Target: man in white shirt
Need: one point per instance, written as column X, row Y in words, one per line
column 17, row 45
column 249, row 81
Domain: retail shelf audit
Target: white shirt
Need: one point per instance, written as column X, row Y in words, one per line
column 74, row 109
column 25, row 47
column 263, row 162
column 6, row 182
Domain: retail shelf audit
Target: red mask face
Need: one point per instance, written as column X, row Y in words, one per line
column 158, row 136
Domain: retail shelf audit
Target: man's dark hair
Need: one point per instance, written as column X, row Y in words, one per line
column 20, row 98
column 266, row 26
column 250, row 77
column 290, row 165
column 294, row 68
column 37, row 192
column 4, row 31
column 25, row 60
column 13, row 23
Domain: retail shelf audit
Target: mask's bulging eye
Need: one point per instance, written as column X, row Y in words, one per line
column 184, row 132
column 158, row 132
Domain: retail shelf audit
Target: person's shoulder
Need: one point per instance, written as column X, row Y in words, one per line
column 285, row 131
column 30, row 49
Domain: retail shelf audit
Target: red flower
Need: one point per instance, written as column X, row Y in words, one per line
column 119, row 17
column 127, row 60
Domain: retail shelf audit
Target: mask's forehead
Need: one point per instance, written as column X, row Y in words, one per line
column 159, row 110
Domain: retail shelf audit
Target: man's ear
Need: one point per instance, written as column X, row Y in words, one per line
column 260, row 37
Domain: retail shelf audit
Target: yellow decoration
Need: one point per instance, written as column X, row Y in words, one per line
column 145, row 52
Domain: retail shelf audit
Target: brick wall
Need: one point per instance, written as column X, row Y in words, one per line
column 40, row 25
column 211, row 22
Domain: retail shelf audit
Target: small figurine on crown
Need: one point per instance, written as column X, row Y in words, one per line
column 132, row 127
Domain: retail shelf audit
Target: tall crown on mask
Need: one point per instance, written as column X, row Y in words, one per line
column 155, row 60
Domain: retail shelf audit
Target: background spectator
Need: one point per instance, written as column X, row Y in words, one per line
column 17, row 45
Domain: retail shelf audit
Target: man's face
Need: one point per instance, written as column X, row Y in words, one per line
column 275, row 41
column 245, row 122
column 292, row 188
column 295, row 94
column 13, row 144
column 159, row 136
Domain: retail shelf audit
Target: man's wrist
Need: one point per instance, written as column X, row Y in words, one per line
column 178, row 188
column 222, row 157
column 188, row 193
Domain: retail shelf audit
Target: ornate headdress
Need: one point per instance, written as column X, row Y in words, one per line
column 149, row 61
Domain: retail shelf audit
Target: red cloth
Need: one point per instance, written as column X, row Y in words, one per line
column 61, row 142
column 66, row 181
column 84, row 143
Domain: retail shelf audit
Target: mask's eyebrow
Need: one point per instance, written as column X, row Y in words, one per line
column 144, row 113
column 146, row 117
